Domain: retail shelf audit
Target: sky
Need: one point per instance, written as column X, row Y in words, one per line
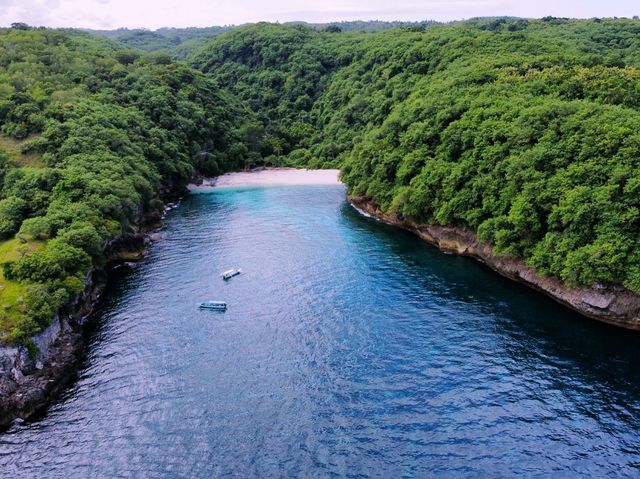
column 153, row 14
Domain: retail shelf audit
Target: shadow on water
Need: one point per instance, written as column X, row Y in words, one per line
column 533, row 324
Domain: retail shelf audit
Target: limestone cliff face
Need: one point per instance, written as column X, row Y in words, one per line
column 614, row 305
column 28, row 384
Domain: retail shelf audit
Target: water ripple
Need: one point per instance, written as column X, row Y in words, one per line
column 349, row 349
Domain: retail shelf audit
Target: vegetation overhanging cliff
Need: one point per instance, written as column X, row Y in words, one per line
column 523, row 134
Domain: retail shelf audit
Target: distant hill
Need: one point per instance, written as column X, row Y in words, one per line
column 181, row 42
column 366, row 26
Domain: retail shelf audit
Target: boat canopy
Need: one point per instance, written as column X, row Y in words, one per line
column 230, row 273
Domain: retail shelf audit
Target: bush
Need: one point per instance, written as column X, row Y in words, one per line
column 11, row 214
column 38, row 228
column 42, row 302
column 57, row 261
column 82, row 235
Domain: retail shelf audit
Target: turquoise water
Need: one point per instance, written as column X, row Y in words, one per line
column 349, row 349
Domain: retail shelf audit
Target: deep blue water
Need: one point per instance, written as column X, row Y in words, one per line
column 350, row 349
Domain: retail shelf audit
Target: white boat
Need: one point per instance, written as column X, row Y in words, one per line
column 216, row 305
column 230, row 273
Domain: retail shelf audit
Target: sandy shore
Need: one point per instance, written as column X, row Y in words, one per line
column 271, row 176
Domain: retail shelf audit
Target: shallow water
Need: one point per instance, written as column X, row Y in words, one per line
column 349, row 349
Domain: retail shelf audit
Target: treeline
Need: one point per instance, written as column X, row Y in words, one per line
column 178, row 42
column 368, row 26
column 525, row 131
column 113, row 129
column 181, row 42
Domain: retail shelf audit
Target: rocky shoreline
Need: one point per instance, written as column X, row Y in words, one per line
column 29, row 384
column 613, row 305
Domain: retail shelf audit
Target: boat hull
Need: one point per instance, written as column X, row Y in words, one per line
column 213, row 306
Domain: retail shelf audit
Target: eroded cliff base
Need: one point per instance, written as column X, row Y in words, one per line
column 613, row 305
column 29, row 383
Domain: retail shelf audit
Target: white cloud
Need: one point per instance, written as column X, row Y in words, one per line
column 58, row 13
column 181, row 13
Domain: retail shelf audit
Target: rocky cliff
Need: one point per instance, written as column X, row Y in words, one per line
column 28, row 382
column 614, row 305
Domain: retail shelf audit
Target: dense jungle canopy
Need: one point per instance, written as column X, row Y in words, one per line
column 524, row 131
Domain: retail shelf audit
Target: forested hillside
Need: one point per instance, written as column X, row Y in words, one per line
column 178, row 42
column 281, row 73
column 527, row 132
column 92, row 135
column 181, row 42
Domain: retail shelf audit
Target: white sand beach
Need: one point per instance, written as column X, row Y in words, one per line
column 271, row 176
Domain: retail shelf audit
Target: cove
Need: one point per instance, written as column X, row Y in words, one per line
column 349, row 349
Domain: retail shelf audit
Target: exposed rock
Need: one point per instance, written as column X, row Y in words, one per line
column 44, row 340
column 599, row 301
column 614, row 305
column 28, row 384
column 201, row 183
column 17, row 375
column 128, row 247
